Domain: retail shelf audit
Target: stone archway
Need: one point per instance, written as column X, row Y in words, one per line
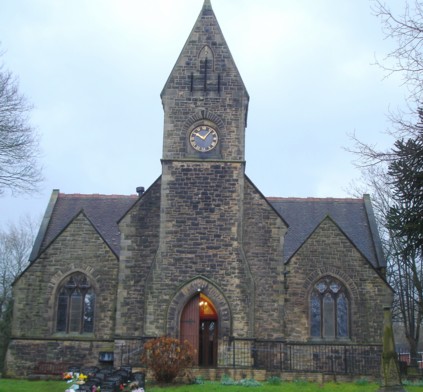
column 186, row 293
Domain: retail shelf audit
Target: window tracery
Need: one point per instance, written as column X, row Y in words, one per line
column 329, row 309
column 75, row 305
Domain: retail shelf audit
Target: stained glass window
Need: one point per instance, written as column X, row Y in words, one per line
column 75, row 305
column 329, row 309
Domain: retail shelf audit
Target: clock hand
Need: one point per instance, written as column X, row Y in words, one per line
column 205, row 136
column 202, row 137
column 197, row 134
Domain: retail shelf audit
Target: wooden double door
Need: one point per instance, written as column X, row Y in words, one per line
column 199, row 326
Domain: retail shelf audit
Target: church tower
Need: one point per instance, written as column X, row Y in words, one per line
column 204, row 99
column 198, row 246
column 202, row 185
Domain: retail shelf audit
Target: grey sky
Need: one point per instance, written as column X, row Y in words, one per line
column 94, row 71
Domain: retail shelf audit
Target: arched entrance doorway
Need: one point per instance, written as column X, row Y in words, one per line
column 199, row 323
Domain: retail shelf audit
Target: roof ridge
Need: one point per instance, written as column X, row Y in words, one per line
column 276, row 198
column 95, row 195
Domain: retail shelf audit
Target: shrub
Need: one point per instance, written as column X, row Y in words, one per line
column 245, row 382
column 274, row 380
column 167, row 357
column 249, row 382
column 408, row 383
column 198, row 380
column 362, row 381
column 226, row 380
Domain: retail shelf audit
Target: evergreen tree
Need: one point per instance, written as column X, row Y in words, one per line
column 405, row 217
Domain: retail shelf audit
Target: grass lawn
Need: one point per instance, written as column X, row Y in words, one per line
column 8, row 385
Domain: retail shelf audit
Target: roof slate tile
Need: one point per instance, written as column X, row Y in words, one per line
column 303, row 215
column 103, row 211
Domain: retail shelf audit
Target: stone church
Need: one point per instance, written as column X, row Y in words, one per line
column 201, row 254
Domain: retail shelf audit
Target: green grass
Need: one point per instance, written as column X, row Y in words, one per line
column 8, row 385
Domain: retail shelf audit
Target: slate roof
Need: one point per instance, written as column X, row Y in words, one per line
column 102, row 210
column 303, row 215
column 353, row 216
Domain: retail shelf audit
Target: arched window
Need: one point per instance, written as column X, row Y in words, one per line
column 75, row 305
column 329, row 309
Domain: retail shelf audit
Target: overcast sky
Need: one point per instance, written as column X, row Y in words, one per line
column 94, row 70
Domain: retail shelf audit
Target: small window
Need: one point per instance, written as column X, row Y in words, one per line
column 75, row 305
column 329, row 310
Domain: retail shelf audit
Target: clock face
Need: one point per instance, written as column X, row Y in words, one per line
column 203, row 138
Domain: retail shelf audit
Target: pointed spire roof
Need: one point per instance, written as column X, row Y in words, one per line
column 207, row 4
column 206, row 33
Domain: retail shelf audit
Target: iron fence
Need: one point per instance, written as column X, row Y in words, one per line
column 409, row 365
column 129, row 352
column 279, row 356
column 282, row 356
column 334, row 358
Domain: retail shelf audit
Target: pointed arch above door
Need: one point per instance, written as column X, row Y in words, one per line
column 186, row 293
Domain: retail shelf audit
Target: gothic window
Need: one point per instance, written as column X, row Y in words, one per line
column 205, row 79
column 75, row 305
column 329, row 309
column 206, row 57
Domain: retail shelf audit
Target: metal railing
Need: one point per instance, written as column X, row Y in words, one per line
column 279, row 356
column 130, row 353
column 410, row 365
column 282, row 356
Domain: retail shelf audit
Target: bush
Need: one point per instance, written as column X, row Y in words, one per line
column 245, row 382
column 249, row 382
column 274, row 380
column 167, row 357
column 362, row 381
column 198, row 380
column 226, row 380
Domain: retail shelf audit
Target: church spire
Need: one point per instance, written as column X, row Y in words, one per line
column 205, row 44
column 205, row 87
column 207, row 5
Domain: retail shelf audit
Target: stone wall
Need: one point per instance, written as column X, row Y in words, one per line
column 23, row 355
column 139, row 243
column 78, row 248
column 264, row 232
column 200, row 233
column 185, row 102
column 329, row 252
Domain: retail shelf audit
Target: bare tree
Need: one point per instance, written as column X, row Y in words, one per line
column 401, row 237
column 404, row 270
column 15, row 246
column 406, row 29
column 19, row 148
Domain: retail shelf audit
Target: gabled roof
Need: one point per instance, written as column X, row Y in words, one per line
column 354, row 217
column 102, row 210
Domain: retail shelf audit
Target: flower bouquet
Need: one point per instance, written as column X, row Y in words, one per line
column 76, row 379
column 132, row 387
